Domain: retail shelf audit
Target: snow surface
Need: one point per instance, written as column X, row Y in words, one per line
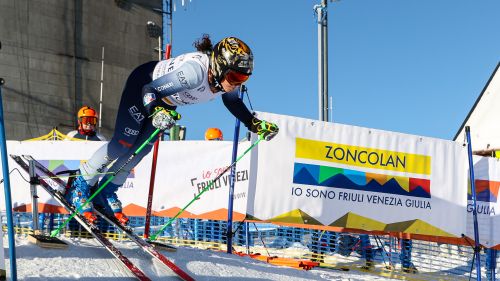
column 85, row 259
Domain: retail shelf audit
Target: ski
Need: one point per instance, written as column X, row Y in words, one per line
column 143, row 244
column 92, row 229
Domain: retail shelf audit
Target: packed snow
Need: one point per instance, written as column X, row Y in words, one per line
column 85, row 259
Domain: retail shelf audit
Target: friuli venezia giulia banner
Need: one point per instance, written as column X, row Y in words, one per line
column 487, row 181
column 184, row 169
column 330, row 174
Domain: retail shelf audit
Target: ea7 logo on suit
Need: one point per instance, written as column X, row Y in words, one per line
column 182, row 79
column 136, row 114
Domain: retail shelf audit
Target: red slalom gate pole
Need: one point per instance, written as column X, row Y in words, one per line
column 151, row 188
column 168, row 50
column 153, row 169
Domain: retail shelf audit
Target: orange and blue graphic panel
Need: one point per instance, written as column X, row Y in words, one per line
column 310, row 174
column 486, row 191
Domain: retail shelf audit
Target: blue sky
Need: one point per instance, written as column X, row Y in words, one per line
column 409, row 66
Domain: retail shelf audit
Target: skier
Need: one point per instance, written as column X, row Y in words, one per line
column 87, row 121
column 149, row 100
column 213, row 134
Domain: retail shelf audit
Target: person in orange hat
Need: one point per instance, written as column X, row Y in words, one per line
column 87, row 121
column 213, row 134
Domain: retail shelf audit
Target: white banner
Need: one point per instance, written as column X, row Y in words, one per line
column 2, row 257
column 183, row 170
column 337, row 175
column 57, row 156
column 487, row 181
column 311, row 173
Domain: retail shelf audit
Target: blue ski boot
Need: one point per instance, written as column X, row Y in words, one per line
column 116, row 205
column 79, row 194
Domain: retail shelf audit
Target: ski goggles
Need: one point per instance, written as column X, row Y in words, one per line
column 88, row 120
column 236, row 78
column 216, row 139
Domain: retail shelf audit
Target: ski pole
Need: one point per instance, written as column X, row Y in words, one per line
column 56, row 231
column 154, row 236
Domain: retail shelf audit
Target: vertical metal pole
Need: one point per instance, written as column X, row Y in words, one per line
column 6, row 186
column 100, row 96
column 160, row 50
column 34, row 197
column 324, row 29
column 231, row 180
column 474, row 206
column 321, row 11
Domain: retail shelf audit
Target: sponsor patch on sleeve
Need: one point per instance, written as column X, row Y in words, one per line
column 148, row 98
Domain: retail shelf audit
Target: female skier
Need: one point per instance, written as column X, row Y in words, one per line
column 149, row 100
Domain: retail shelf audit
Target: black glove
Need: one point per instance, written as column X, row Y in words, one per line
column 264, row 129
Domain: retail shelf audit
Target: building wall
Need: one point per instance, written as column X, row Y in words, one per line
column 51, row 60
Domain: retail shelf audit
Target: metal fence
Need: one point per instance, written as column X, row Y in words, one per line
column 382, row 255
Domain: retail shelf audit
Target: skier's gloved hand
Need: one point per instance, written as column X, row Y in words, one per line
column 264, row 129
column 164, row 119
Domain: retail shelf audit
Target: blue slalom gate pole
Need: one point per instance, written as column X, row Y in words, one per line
column 6, row 186
column 474, row 206
column 232, row 180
